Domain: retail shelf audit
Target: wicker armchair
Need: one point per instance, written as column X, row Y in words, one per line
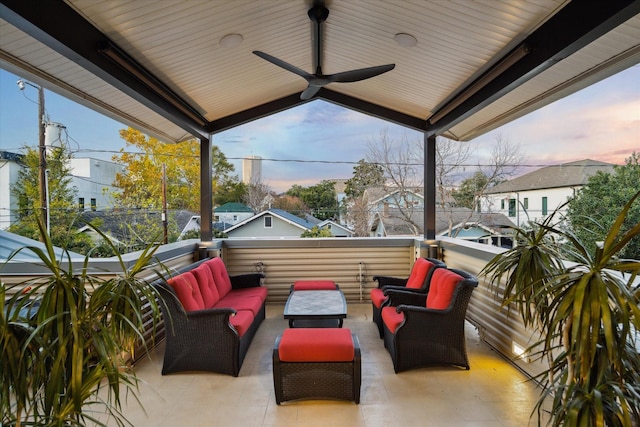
column 418, row 281
column 428, row 329
column 204, row 340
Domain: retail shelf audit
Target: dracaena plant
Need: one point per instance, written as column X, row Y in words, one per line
column 587, row 316
column 60, row 357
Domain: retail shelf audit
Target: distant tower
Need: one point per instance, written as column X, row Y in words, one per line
column 252, row 169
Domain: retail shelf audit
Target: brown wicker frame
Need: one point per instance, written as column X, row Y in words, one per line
column 317, row 380
column 204, row 340
column 388, row 283
column 430, row 337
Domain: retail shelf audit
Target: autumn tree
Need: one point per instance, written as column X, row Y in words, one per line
column 141, row 181
column 63, row 210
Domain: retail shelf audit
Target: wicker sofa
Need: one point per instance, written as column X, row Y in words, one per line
column 210, row 318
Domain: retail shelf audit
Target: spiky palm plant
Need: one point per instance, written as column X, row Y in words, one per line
column 61, row 360
column 588, row 317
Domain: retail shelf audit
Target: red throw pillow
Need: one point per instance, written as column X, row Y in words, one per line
column 443, row 284
column 188, row 291
column 419, row 273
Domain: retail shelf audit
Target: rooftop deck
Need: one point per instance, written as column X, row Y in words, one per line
column 491, row 393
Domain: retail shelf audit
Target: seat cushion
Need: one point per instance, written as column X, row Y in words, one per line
column 377, row 297
column 443, row 285
column 186, row 287
column 257, row 291
column 241, row 321
column 316, row 345
column 314, row 285
column 208, row 288
column 220, row 275
column 419, row 273
column 241, row 302
column 391, row 318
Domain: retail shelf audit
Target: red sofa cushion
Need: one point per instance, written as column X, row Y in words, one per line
column 419, row 273
column 241, row 321
column 220, row 275
column 316, row 345
column 377, row 297
column 241, row 302
column 443, row 284
column 188, row 291
column 314, row 285
column 257, row 291
column 208, row 288
column 391, row 318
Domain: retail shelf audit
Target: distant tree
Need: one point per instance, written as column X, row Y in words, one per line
column 257, row 196
column 594, row 208
column 315, row 231
column 469, row 190
column 141, row 182
column 63, row 210
column 365, row 175
column 291, row 204
column 230, row 191
column 320, row 198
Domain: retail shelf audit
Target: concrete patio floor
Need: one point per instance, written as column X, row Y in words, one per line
column 491, row 394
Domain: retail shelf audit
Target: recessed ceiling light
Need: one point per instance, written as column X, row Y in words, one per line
column 405, row 40
column 231, row 40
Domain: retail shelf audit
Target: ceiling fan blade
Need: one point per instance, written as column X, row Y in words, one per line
column 280, row 63
column 361, row 74
column 309, row 92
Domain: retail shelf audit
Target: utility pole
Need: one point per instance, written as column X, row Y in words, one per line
column 165, row 221
column 44, row 204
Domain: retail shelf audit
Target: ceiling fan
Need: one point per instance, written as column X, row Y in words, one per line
column 318, row 14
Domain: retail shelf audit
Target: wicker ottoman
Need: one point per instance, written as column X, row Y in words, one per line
column 317, row 363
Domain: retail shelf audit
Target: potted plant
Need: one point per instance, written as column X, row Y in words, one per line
column 587, row 314
column 61, row 339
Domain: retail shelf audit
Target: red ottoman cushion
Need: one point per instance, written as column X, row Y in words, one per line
column 314, row 285
column 316, row 345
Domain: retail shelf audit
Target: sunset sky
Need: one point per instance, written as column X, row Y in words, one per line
column 320, row 140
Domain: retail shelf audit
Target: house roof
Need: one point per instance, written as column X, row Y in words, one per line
column 161, row 66
column 303, row 224
column 395, row 225
column 565, row 175
column 10, row 242
column 233, row 207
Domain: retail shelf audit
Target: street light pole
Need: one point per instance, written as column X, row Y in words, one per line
column 42, row 168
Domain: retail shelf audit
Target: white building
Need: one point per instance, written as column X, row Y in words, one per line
column 533, row 196
column 93, row 180
column 252, row 169
column 9, row 168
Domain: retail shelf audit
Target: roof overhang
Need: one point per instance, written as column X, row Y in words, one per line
column 159, row 67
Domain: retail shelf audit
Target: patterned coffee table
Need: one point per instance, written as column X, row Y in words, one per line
column 316, row 307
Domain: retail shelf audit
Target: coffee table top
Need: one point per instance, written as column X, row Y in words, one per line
column 316, row 305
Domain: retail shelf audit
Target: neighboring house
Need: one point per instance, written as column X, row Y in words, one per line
column 487, row 228
column 232, row 213
column 93, row 180
column 533, row 196
column 280, row 223
column 9, row 168
column 9, row 242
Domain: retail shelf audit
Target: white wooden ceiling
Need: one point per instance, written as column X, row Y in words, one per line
column 178, row 42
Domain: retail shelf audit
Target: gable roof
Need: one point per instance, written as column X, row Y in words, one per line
column 570, row 174
column 283, row 215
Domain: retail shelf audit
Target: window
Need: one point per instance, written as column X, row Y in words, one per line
column 544, row 206
column 81, row 204
column 512, row 207
column 526, row 203
column 267, row 221
column 94, row 205
column 235, row 217
column 502, row 204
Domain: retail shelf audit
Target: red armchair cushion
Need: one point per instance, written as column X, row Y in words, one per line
column 377, row 297
column 391, row 318
column 314, row 285
column 208, row 288
column 188, row 291
column 443, row 284
column 241, row 321
column 220, row 275
column 419, row 273
column 316, row 345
